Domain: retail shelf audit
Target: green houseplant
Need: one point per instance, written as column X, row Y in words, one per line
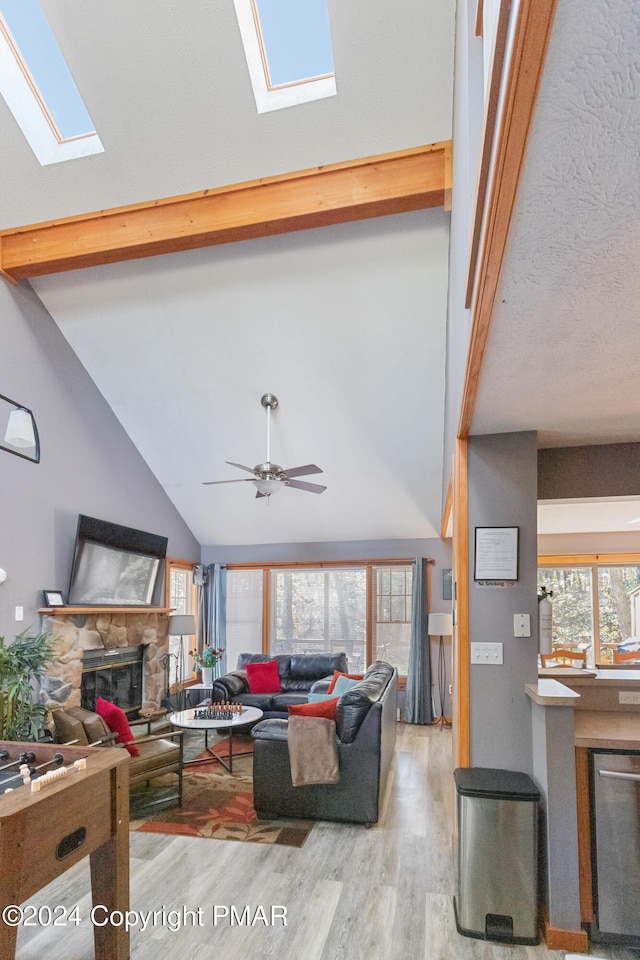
column 21, row 663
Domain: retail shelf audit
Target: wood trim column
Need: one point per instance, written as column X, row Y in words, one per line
column 525, row 65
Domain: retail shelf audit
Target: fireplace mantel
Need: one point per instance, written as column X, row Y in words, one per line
column 69, row 611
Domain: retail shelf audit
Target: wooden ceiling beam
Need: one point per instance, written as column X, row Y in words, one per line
column 397, row 182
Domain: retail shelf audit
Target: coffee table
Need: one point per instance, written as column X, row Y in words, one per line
column 187, row 721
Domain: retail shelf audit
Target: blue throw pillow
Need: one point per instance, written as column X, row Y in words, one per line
column 342, row 685
column 318, row 697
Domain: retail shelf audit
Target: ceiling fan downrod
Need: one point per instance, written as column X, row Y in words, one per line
column 270, row 402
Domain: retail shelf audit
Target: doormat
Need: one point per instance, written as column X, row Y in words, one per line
column 217, row 805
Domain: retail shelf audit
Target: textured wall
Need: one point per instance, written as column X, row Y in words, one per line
column 601, row 470
column 88, row 465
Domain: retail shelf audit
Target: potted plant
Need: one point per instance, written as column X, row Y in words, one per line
column 21, row 663
column 205, row 661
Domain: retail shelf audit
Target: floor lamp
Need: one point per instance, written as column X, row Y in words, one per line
column 181, row 625
column 441, row 625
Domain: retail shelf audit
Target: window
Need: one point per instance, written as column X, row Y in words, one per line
column 315, row 611
column 288, row 49
column 392, row 622
column 38, row 88
column 181, row 597
column 244, row 614
column 596, row 605
column 363, row 609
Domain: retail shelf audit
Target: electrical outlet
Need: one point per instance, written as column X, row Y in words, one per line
column 450, row 689
column 629, row 696
column 486, row 653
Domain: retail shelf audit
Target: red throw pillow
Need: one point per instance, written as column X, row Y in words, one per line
column 263, row 677
column 324, row 708
column 116, row 719
column 336, row 674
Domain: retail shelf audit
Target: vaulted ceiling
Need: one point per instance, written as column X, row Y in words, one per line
column 346, row 323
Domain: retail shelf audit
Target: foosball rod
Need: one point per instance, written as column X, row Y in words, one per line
column 57, row 760
column 28, row 757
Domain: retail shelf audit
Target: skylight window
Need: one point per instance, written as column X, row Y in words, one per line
column 38, row 88
column 288, row 48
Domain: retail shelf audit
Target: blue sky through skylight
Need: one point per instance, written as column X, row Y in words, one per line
column 297, row 39
column 41, row 53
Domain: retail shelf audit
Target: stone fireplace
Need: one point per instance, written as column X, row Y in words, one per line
column 74, row 633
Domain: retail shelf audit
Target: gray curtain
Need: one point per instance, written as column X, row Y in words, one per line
column 418, row 705
column 212, row 613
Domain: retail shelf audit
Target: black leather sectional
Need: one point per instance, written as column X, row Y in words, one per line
column 366, row 734
column 297, row 672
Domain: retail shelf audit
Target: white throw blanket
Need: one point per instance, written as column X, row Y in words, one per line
column 313, row 751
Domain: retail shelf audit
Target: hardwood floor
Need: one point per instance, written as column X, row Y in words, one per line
column 350, row 893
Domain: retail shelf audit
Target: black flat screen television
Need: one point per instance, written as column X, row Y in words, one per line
column 115, row 565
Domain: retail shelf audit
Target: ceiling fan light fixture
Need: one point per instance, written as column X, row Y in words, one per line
column 268, row 487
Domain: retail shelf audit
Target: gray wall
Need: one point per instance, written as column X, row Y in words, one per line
column 88, row 464
column 502, row 492
column 606, row 470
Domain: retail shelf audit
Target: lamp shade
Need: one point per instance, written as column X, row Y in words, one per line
column 182, row 625
column 268, row 487
column 440, row 624
column 20, row 432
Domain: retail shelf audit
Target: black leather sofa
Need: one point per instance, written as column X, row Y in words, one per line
column 297, row 672
column 366, row 732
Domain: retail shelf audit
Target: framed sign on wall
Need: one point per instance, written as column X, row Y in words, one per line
column 496, row 553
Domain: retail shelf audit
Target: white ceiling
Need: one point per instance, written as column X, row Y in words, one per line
column 346, row 325
column 166, row 84
column 564, row 350
column 183, row 347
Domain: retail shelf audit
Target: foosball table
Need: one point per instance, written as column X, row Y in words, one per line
column 59, row 804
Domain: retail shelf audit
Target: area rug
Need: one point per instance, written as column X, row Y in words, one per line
column 217, row 805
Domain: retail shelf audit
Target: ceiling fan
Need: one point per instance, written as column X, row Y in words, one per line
column 269, row 477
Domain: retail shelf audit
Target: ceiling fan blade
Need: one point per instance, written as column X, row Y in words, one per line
column 211, row 483
column 302, row 471
column 241, row 466
column 310, row 487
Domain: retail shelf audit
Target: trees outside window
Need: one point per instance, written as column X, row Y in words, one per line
column 596, row 606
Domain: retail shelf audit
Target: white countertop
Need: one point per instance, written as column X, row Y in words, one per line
column 551, row 693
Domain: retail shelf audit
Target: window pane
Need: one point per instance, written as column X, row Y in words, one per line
column 244, row 614
column 392, row 631
column 181, row 600
column 319, row 611
column 619, row 607
column 572, row 605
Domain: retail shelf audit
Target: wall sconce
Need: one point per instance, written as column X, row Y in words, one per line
column 21, row 433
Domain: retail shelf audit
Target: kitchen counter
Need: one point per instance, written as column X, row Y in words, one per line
column 609, row 731
column 551, row 693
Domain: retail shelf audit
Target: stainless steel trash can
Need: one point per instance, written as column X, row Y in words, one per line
column 497, row 857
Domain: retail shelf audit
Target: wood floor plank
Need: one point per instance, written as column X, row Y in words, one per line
column 350, row 893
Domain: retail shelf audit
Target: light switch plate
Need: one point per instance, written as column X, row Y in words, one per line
column 521, row 625
column 19, row 614
column 486, row 653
